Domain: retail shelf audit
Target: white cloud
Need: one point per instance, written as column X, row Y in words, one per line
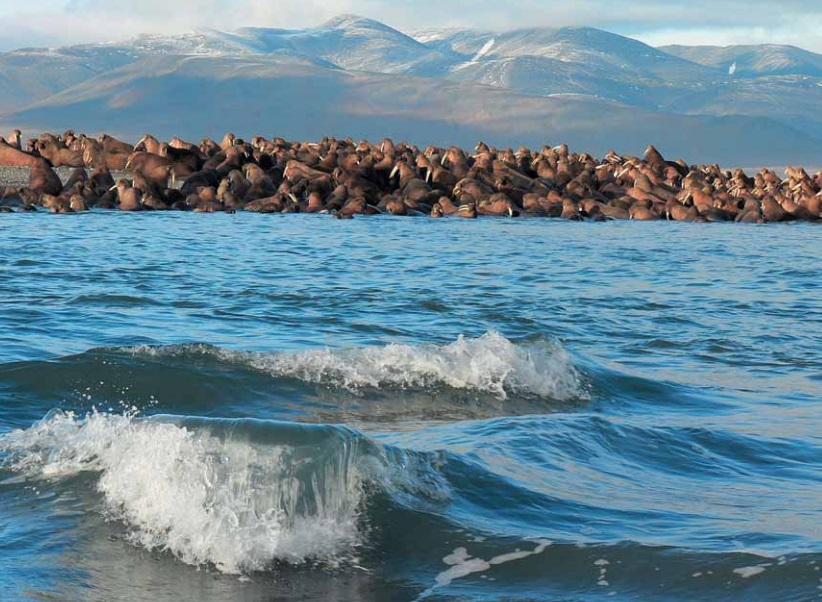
column 808, row 36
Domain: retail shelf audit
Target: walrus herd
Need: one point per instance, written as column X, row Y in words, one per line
column 345, row 178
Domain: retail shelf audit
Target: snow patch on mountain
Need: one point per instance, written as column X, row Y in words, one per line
column 484, row 50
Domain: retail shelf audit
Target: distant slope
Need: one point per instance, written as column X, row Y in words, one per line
column 752, row 61
column 353, row 43
column 301, row 99
column 544, row 76
column 32, row 74
column 571, row 60
column 791, row 99
column 584, row 46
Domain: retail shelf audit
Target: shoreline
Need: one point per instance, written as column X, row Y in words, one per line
column 19, row 176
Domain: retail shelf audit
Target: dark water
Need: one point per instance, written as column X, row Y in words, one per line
column 296, row 408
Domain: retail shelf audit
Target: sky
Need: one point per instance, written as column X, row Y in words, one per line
column 53, row 23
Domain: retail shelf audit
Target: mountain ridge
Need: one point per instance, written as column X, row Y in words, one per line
column 680, row 86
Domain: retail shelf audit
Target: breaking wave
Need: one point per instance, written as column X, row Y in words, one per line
column 235, row 494
column 490, row 364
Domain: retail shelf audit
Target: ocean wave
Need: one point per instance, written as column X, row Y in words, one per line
column 208, row 496
column 235, row 494
column 490, row 364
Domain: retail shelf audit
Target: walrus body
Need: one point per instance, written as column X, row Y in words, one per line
column 14, row 157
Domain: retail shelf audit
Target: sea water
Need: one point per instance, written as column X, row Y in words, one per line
column 247, row 407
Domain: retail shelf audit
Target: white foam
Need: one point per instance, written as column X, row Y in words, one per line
column 462, row 564
column 463, row 569
column 208, row 500
column 489, row 364
column 749, row 571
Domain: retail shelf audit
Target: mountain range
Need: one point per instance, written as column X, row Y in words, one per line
column 352, row 76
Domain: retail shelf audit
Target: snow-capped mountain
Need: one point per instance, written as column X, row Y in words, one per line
column 492, row 77
column 574, row 45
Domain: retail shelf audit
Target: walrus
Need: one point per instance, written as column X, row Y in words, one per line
column 154, row 167
column 54, row 204
column 130, row 198
column 497, row 204
column 15, row 139
column 77, row 203
column 183, row 162
column 616, row 212
column 78, row 176
column 237, row 183
column 272, row 204
column 13, row 157
column 150, row 200
column 204, row 177
column 60, row 156
column 208, row 147
column 148, row 144
column 229, row 140
column 95, row 155
column 113, row 145
column 772, row 211
column 395, row 206
column 43, row 180
column 469, row 210
column 226, row 161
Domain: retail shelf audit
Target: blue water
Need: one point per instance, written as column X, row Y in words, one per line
column 290, row 407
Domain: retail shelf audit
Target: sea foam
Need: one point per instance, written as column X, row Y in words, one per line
column 207, row 498
column 490, row 364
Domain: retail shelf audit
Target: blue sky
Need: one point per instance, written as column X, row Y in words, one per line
column 58, row 22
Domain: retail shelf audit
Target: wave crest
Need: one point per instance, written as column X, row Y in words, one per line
column 490, row 364
column 206, row 496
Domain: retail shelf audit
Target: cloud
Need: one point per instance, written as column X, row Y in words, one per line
column 58, row 22
column 804, row 37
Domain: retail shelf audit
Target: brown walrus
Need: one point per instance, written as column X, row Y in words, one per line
column 60, row 156
column 130, row 198
column 148, row 144
column 43, row 179
column 13, row 157
column 15, row 139
column 154, row 167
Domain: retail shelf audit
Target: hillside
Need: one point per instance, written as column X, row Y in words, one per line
column 594, row 89
column 299, row 99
